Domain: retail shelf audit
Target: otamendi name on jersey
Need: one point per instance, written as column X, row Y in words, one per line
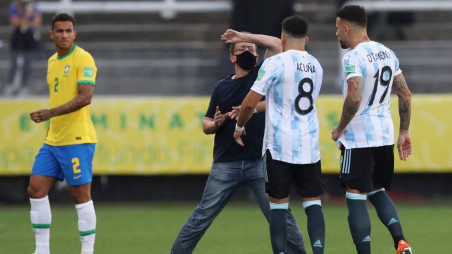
column 382, row 55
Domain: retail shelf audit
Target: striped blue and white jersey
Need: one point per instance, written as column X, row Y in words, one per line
column 372, row 125
column 291, row 82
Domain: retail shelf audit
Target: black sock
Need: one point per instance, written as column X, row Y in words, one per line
column 316, row 228
column 278, row 230
column 359, row 223
column 388, row 215
column 363, row 248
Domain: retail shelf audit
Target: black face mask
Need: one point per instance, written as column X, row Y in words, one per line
column 246, row 60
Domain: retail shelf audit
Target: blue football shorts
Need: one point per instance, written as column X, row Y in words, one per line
column 72, row 162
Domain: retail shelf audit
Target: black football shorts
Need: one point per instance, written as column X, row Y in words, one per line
column 280, row 175
column 366, row 169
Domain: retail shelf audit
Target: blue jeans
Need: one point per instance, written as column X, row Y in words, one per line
column 223, row 181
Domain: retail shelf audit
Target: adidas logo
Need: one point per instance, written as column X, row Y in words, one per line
column 392, row 221
column 366, row 239
column 317, row 244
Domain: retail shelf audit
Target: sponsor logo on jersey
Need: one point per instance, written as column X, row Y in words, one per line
column 349, row 69
column 88, row 72
column 260, row 75
column 77, row 177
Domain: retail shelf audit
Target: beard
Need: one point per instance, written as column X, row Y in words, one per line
column 344, row 45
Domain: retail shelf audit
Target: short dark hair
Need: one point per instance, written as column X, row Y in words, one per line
column 62, row 17
column 295, row 26
column 355, row 14
column 232, row 44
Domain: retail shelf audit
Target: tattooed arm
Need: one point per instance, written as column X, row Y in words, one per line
column 351, row 105
column 404, row 141
column 85, row 93
column 401, row 89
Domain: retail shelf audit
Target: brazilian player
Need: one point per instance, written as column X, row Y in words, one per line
column 69, row 146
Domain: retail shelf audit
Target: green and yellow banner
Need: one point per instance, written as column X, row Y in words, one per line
column 163, row 135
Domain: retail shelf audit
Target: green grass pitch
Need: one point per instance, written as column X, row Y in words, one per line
column 241, row 228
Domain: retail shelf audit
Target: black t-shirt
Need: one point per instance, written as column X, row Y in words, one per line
column 226, row 94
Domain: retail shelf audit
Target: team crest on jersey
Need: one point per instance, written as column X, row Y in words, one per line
column 260, row 75
column 66, row 69
column 350, row 69
column 88, row 72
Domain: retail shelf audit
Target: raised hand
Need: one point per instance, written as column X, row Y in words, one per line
column 231, row 36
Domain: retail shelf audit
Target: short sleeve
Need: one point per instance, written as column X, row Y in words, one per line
column 396, row 63
column 86, row 69
column 266, row 76
column 210, row 113
column 351, row 65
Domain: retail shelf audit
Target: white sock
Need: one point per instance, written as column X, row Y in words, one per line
column 86, row 226
column 41, row 217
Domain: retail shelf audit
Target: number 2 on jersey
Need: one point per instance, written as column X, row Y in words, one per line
column 55, row 89
column 380, row 79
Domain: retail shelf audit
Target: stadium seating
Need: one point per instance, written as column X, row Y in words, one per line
column 145, row 54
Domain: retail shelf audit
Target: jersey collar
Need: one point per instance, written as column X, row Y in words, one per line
column 68, row 53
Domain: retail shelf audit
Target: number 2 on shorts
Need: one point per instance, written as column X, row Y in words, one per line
column 75, row 165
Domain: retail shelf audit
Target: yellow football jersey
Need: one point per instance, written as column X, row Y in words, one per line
column 63, row 76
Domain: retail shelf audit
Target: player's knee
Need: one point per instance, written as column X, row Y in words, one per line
column 81, row 197
column 35, row 192
column 81, row 193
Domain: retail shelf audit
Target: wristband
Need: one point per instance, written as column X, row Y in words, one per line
column 238, row 128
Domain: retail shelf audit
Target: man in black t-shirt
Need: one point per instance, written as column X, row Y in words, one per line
column 234, row 165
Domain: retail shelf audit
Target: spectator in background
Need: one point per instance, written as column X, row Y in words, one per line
column 25, row 17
